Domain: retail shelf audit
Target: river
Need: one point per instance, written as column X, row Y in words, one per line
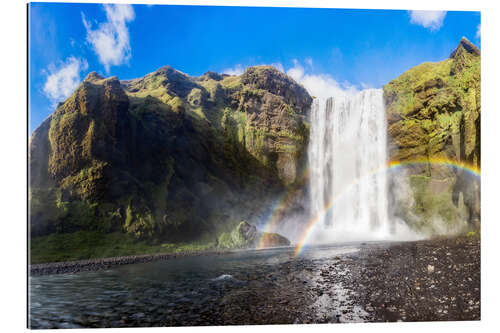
column 244, row 287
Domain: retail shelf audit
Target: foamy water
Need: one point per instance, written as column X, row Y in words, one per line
column 348, row 178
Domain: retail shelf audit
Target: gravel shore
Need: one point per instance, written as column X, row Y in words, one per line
column 106, row 263
column 416, row 281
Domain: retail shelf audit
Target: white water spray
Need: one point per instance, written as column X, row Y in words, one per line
column 347, row 159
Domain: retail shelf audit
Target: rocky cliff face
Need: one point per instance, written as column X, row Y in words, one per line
column 168, row 156
column 433, row 114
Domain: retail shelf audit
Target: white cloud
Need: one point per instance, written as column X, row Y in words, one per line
column 111, row 41
column 309, row 61
column 478, row 31
column 319, row 85
column 430, row 19
column 236, row 70
column 62, row 81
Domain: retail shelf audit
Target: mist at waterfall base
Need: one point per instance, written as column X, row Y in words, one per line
column 348, row 174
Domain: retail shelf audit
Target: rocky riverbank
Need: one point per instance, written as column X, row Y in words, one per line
column 106, row 263
column 429, row 280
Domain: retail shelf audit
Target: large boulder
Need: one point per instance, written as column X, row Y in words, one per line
column 246, row 236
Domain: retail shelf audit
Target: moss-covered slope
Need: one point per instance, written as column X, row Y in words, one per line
column 246, row 235
column 168, row 157
column 433, row 113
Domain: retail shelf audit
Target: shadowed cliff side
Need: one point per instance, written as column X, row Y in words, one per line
column 168, row 156
column 433, row 113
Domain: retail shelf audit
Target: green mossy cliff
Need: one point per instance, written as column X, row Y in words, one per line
column 168, row 157
column 433, row 114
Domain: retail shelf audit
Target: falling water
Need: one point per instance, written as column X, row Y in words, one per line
column 347, row 156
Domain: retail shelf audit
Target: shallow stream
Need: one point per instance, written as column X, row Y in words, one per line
column 244, row 287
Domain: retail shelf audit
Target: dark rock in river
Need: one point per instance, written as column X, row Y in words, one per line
column 269, row 239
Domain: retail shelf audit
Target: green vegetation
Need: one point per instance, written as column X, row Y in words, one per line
column 473, row 233
column 246, row 235
column 243, row 236
column 92, row 245
column 429, row 101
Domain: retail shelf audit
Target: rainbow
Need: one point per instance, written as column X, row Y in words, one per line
column 310, row 227
column 467, row 167
column 279, row 206
column 392, row 165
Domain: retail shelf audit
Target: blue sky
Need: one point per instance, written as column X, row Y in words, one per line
column 324, row 49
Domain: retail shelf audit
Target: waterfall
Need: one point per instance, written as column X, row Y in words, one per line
column 347, row 159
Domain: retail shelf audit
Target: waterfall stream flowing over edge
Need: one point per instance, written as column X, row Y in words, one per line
column 347, row 159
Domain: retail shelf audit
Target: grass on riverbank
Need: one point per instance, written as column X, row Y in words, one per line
column 92, row 245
